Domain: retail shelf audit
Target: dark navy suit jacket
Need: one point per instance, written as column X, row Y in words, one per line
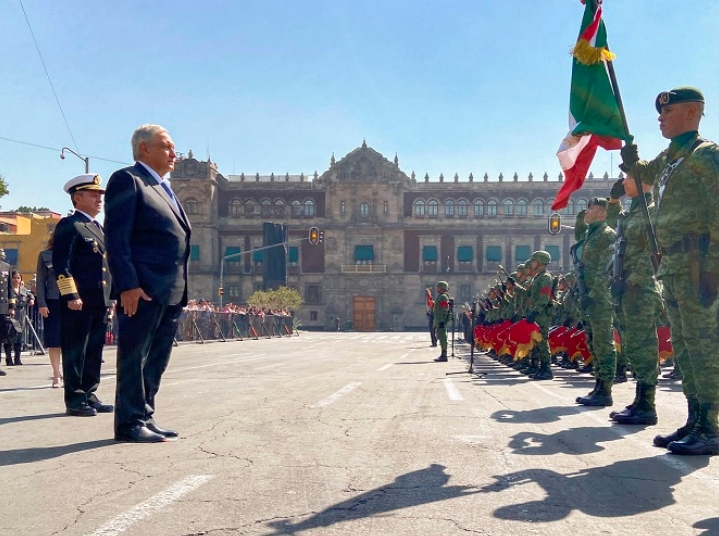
column 147, row 237
column 79, row 252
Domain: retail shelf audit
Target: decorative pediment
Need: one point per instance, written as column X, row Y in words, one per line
column 364, row 164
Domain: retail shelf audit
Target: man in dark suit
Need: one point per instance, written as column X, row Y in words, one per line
column 148, row 241
column 83, row 278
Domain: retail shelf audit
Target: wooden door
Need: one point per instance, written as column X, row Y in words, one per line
column 363, row 313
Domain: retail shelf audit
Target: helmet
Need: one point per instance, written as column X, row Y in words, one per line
column 542, row 257
column 443, row 286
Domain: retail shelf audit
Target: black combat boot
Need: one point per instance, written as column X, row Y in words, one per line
column 18, row 352
column 704, row 437
column 594, row 390
column 630, row 408
column 644, row 410
column 442, row 357
column 586, row 369
column 544, row 372
column 692, row 415
column 601, row 397
column 8, row 354
column 621, row 375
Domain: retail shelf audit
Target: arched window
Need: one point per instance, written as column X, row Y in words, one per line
column 462, row 208
column 279, row 207
column 364, row 209
column 509, row 207
column 235, row 207
column 266, row 207
column 296, row 208
column 419, row 207
column 449, row 208
column 581, row 205
column 538, row 207
column 492, row 208
column 522, row 207
column 433, row 208
column 309, row 207
column 249, row 208
column 478, row 207
column 568, row 210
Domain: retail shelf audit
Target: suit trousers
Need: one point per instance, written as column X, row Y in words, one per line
column 82, row 338
column 144, row 345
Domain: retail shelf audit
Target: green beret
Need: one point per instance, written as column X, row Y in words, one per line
column 601, row 201
column 443, row 285
column 678, row 94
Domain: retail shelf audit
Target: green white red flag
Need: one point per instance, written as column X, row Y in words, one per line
column 594, row 114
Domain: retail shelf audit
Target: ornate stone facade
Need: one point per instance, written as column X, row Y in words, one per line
column 387, row 236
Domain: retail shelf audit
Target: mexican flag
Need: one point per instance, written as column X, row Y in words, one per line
column 594, row 117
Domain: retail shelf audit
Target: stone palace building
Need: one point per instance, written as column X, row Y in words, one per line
column 386, row 235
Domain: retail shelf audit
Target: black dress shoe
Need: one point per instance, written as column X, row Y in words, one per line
column 101, row 408
column 162, row 431
column 138, row 434
column 81, row 411
column 3, row 373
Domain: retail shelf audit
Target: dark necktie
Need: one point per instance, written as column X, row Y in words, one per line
column 170, row 193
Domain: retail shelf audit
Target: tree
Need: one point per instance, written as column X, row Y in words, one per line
column 281, row 298
column 4, row 190
column 27, row 210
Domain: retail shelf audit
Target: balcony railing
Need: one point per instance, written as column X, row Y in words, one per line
column 364, row 268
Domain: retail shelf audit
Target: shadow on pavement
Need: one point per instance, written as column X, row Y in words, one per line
column 24, row 418
column 535, row 416
column 622, row 489
column 412, row 489
column 36, row 454
column 709, row 526
column 582, row 440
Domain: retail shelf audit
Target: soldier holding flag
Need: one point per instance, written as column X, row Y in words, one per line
column 685, row 177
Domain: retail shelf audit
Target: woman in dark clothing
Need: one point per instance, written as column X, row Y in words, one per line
column 23, row 299
column 48, row 305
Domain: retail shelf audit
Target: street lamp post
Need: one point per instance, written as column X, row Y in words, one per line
column 85, row 159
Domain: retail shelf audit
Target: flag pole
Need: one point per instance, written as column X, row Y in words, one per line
column 654, row 244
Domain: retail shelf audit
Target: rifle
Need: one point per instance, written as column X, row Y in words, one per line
column 581, row 287
column 620, row 249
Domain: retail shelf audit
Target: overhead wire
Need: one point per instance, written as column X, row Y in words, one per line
column 59, row 150
column 37, row 47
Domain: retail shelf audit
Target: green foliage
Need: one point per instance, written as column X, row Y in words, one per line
column 27, row 210
column 282, row 298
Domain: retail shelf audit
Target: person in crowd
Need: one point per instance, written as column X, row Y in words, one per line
column 80, row 263
column 48, row 304
column 13, row 345
column 148, row 240
column 7, row 303
column 685, row 177
column 442, row 315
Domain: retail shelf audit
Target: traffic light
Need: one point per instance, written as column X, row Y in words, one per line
column 220, row 291
column 322, row 237
column 555, row 223
column 314, row 235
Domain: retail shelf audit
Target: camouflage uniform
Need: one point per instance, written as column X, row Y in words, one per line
column 686, row 186
column 640, row 307
column 594, row 251
column 441, row 317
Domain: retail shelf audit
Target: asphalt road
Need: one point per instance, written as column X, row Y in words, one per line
column 347, row 433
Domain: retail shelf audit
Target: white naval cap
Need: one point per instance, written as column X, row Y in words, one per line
column 88, row 181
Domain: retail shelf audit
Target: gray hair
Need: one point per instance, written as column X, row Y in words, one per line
column 144, row 133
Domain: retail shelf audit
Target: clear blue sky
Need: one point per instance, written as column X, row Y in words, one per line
column 274, row 87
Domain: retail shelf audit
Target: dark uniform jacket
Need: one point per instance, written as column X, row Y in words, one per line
column 80, row 261
column 46, row 282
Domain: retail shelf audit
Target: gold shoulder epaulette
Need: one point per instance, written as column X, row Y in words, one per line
column 66, row 285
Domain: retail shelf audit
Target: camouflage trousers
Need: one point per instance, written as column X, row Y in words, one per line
column 442, row 337
column 694, row 338
column 640, row 310
column 599, row 315
column 540, row 352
